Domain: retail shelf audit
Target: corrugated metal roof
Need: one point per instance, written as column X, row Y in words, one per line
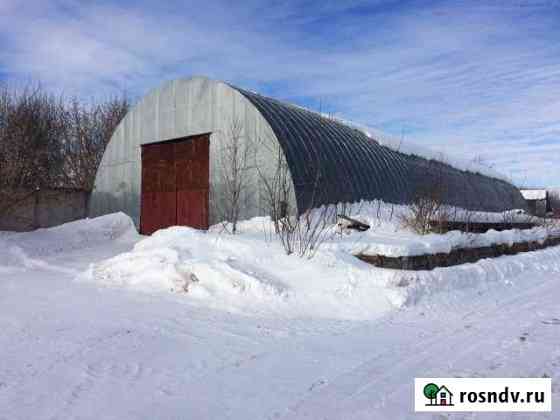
column 331, row 162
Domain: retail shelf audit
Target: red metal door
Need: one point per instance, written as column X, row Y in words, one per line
column 175, row 184
column 158, row 188
column 192, row 172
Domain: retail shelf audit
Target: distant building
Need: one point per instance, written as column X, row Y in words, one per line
column 537, row 201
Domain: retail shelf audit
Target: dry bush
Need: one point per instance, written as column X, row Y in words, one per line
column 304, row 234
column 425, row 214
column 300, row 233
column 427, row 211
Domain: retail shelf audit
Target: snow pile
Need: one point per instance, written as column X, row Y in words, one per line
column 407, row 246
column 481, row 275
column 250, row 272
column 158, row 269
column 22, row 249
column 244, row 273
column 388, row 237
column 79, row 234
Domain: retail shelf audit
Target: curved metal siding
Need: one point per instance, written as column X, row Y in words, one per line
column 331, row 162
column 178, row 109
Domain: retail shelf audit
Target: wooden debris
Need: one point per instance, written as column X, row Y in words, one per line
column 345, row 222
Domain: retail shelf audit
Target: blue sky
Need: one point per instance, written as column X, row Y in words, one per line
column 476, row 79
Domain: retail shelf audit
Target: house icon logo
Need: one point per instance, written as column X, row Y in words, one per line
column 438, row 396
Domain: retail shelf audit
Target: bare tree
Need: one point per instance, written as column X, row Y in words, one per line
column 47, row 142
column 87, row 132
column 237, row 158
column 31, row 158
column 277, row 188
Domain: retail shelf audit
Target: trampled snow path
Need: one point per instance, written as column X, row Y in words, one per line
column 72, row 350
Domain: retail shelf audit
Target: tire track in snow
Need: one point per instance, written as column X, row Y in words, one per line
column 17, row 386
column 349, row 388
column 96, row 375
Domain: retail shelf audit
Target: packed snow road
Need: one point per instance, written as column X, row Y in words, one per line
column 70, row 349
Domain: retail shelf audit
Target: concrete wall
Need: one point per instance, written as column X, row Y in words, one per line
column 45, row 208
column 178, row 109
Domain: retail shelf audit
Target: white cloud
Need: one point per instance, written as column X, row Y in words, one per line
column 471, row 77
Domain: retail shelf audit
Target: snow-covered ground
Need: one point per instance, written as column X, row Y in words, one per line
column 96, row 325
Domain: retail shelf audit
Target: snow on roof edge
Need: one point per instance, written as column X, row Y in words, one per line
column 399, row 145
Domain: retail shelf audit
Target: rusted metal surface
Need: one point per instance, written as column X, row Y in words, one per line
column 175, row 184
column 192, row 185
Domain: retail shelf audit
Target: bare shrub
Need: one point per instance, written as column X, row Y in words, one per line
column 300, row 233
column 427, row 211
column 422, row 212
column 304, row 234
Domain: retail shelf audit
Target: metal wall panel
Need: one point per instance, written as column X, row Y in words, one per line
column 192, row 181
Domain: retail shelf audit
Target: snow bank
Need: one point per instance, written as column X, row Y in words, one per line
column 250, row 273
column 445, row 243
column 243, row 273
column 482, row 275
column 20, row 248
column 388, row 237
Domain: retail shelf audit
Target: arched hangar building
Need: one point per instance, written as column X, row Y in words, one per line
column 170, row 159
